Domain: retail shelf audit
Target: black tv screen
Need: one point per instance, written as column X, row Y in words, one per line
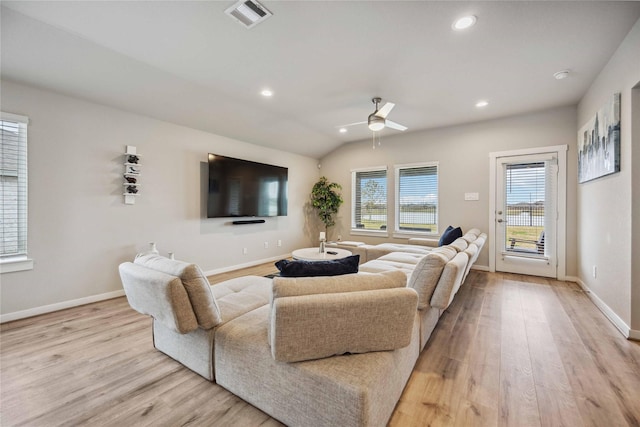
column 240, row 188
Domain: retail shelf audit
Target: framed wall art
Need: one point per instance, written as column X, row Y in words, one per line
column 599, row 143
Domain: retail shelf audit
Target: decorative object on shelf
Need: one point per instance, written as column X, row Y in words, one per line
column 172, row 255
column 599, row 143
column 153, row 248
column 323, row 239
column 131, row 175
column 326, row 200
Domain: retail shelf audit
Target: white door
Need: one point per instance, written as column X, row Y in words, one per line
column 526, row 214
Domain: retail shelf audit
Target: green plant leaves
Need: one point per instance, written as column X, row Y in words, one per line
column 326, row 200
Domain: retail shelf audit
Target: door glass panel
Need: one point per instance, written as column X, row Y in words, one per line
column 525, row 208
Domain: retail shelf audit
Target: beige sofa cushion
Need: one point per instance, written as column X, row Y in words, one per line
column 459, row 244
column 240, row 295
column 422, row 241
column 296, row 286
column 306, row 325
column 399, row 247
column 426, row 274
column 450, row 281
column 159, row 295
column 194, row 281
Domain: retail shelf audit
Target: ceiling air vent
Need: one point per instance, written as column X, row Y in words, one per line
column 248, row 13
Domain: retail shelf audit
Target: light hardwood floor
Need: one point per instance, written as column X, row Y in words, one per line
column 510, row 350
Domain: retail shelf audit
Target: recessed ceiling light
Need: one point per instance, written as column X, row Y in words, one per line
column 464, row 23
column 481, row 104
column 561, row 74
column 342, row 130
column 266, row 93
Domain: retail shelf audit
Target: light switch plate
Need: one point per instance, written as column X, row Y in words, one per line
column 471, row 196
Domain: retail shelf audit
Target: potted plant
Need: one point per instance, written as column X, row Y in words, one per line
column 326, row 200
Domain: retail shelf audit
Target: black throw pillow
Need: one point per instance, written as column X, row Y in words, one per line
column 449, row 235
column 334, row 267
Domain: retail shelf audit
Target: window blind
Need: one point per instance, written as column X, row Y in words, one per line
column 370, row 200
column 525, row 188
column 417, row 209
column 13, row 185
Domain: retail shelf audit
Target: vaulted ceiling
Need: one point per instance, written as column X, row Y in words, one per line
column 188, row 63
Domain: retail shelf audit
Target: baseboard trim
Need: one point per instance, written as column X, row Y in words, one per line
column 480, row 267
column 23, row 314
column 606, row 310
column 634, row 334
column 245, row 265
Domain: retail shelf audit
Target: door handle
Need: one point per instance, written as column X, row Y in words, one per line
column 500, row 220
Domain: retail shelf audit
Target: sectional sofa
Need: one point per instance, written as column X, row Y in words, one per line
column 319, row 351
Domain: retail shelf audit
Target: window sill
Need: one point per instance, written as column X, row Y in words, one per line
column 13, row 264
column 361, row 232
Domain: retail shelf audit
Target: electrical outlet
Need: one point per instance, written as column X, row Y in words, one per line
column 266, row 245
column 595, row 271
column 279, row 243
column 244, row 251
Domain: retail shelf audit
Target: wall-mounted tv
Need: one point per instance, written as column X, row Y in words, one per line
column 240, row 188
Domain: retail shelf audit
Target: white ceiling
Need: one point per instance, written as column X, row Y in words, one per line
column 189, row 63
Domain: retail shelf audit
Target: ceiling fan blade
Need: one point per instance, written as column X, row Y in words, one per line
column 394, row 125
column 352, row 124
column 385, row 110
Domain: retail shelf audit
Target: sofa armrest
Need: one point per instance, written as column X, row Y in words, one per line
column 316, row 326
column 159, row 295
column 433, row 243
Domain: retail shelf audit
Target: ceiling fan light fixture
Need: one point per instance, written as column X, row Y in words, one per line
column 376, row 123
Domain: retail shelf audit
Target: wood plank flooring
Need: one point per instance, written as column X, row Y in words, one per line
column 510, row 351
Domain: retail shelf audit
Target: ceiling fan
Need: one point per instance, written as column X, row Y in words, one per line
column 378, row 119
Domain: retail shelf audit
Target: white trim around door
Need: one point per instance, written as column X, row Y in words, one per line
column 560, row 151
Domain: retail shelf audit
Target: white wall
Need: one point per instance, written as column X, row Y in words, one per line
column 605, row 222
column 79, row 227
column 463, row 154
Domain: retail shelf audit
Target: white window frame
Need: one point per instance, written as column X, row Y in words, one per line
column 404, row 233
column 19, row 261
column 358, row 231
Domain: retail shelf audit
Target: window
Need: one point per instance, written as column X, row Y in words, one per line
column 417, row 198
column 369, row 204
column 525, row 200
column 13, row 192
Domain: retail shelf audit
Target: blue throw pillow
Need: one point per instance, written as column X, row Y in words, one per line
column 301, row 268
column 449, row 235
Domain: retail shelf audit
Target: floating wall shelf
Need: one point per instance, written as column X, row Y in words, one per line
column 132, row 168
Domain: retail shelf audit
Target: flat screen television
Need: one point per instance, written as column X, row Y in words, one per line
column 241, row 188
